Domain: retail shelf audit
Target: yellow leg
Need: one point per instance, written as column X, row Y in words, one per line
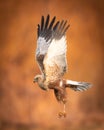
column 62, row 114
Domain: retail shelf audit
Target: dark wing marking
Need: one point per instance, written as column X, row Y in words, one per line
column 60, row 31
column 65, row 29
column 52, row 22
column 38, row 30
column 42, row 23
column 55, row 27
column 47, row 21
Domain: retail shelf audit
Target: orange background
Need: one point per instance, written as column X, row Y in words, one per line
column 23, row 105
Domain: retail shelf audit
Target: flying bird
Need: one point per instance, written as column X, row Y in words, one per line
column 51, row 57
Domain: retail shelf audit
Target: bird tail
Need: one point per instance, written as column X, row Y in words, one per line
column 77, row 86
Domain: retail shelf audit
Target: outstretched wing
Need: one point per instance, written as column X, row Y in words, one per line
column 55, row 60
column 77, row 86
column 44, row 32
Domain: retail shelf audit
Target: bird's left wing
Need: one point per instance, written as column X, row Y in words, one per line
column 44, row 33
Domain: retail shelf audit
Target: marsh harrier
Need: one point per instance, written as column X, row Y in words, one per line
column 51, row 57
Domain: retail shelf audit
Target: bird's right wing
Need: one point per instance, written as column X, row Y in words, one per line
column 44, row 32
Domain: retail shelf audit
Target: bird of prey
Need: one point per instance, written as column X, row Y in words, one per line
column 51, row 58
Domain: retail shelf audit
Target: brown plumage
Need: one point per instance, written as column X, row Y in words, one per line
column 51, row 57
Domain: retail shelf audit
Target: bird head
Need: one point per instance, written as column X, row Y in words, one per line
column 40, row 80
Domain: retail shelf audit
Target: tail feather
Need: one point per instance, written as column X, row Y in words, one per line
column 78, row 86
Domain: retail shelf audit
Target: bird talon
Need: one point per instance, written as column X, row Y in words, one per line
column 62, row 114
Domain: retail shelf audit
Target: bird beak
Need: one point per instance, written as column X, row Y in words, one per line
column 34, row 81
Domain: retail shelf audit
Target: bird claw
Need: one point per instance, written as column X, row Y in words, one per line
column 62, row 114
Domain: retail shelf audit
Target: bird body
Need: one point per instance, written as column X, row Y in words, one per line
column 51, row 58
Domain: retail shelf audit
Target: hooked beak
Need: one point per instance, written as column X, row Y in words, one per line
column 34, row 81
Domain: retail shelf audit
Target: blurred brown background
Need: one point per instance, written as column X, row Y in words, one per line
column 23, row 105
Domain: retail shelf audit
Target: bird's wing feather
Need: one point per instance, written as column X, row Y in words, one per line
column 56, row 54
column 44, row 32
column 77, row 86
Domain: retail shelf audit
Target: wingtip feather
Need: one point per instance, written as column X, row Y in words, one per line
column 78, row 86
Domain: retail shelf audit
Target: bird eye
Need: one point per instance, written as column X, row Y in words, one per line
column 35, row 80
